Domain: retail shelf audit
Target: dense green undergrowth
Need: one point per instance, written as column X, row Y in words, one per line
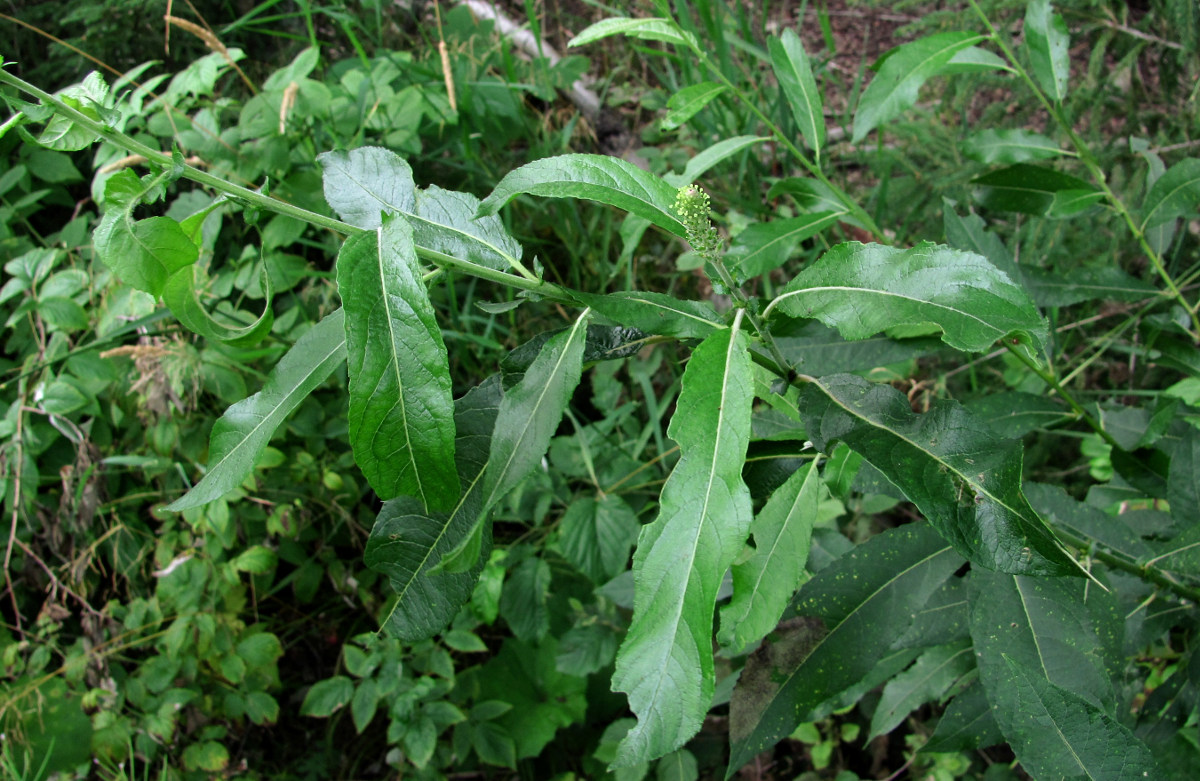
column 852, row 433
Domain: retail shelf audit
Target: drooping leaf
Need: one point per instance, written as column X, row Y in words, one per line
column 143, row 253
column 795, row 76
column 401, row 412
column 364, row 183
column 663, row 30
column 1055, row 733
column 764, row 584
column 844, row 622
column 688, row 102
column 1044, row 623
column 1008, row 146
column 1047, row 42
column 895, row 87
column 862, row 289
column 765, row 246
column 609, row 180
column 656, row 313
column 1174, row 194
column 240, row 435
column 930, row 678
column 529, row 414
column 597, row 535
column 406, row 542
column 963, row 478
column 665, row 664
column 182, row 296
column 1035, row 190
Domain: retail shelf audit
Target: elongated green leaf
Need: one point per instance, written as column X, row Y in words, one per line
column 765, row 246
column 401, row 412
column 862, row 289
column 790, row 62
column 656, row 313
column 529, row 414
column 973, row 59
column 930, row 678
column 1055, row 733
column 364, row 183
column 1174, row 194
column 182, row 295
column 239, row 437
column 143, row 253
column 609, row 180
column 970, row 233
column 895, row 87
column 1047, row 43
column 1183, row 480
column 1085, row 521
column 1009, row 146
column 663, row 30
column 1014, row 414
column 846, row 619
column 597, row 535
column 717, row 153
column 406, row 542
column 1050, row 288
column 963, row 478
column 1031, row 189
column 817, row 349
column 764, row 584
column 665, row 664
column 1044, row 623
column 688, row 102
column 967, row 724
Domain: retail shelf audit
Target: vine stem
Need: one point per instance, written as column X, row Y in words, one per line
column 1146, row 572
column 527, row 281
column 1085, row 155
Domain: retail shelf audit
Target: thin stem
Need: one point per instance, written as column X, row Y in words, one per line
column 1089, row 161
column 267, row 203
column 1144, row 571
column 1049, row 378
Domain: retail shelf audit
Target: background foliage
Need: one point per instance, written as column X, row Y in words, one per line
column 215, row 565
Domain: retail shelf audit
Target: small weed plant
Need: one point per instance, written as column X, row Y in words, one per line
column 660, row 499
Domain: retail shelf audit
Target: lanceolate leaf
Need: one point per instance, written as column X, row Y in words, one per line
column 688, row 102
column 1047, row 41
column 239, row 437
column 401, row 413
column 963, row 478
column 1055, row 733
column 609, row 180
column 796, row 79
column 665, row 664
column 363, row 183
column 930, row 678
column 764, row 584
column 766, row 246
column 407, row 542
column 967, row 724
column 656, row 313
column 1009, row 146
column 862, row 289
column 643, row 29
column 895, row 87
column 1174, row 194
column 850, row 612
column 529, row 414
column 1036, row 190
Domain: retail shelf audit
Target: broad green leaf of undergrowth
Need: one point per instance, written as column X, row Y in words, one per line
column 406, row 542
column 653, row 29
column 862, row 289
column 528, row 417
column 963, row 478
column 143, row 253
column 401, row 413
column 688, row 102
column 597, row 535
column 1047, row 42
column 240, row 435
column 895, row 87
column 1055, row 733
column 765, row 246
column 840, row 625
column 363, row 183
column 1008, row 146
column 795, row 76
column 764, row 583
column 656, row 313
column 182, row 294
column 665, row 664
column 1174, row 194
column 601, row 178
